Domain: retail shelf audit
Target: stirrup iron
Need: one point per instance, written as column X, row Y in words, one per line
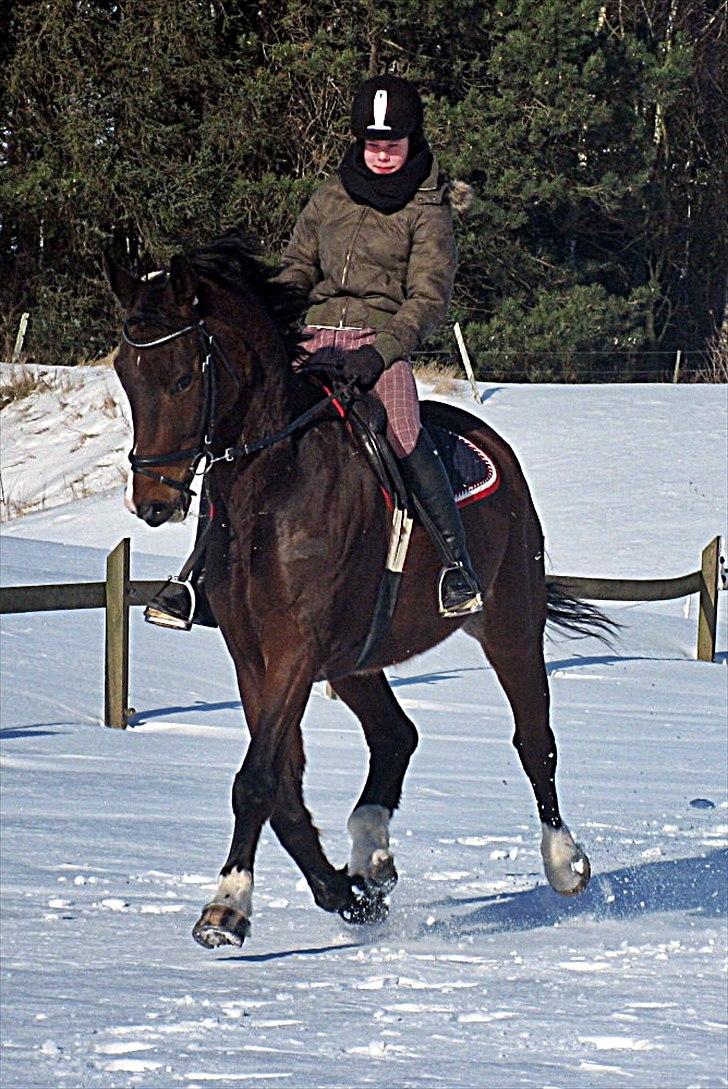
column 174, row 616
column 470, row 600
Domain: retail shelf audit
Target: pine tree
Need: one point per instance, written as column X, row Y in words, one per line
column 595, row 138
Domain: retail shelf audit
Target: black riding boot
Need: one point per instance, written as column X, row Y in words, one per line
column 182, row 600
column 459, row 590
column 181, row 603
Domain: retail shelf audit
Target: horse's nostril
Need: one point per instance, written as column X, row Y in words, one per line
column 154, row 514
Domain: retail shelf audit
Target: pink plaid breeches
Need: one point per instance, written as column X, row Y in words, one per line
column 396, row 387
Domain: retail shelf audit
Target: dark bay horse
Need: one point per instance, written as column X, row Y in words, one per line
column 293, row 566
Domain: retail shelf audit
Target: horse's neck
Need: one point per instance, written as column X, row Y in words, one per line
column 258, row 356
column 265, row 404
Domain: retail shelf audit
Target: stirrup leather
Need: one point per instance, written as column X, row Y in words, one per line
column 471, row 600
column 159, row 613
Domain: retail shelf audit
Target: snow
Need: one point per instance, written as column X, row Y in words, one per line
column 482, row 975
column 66, row 441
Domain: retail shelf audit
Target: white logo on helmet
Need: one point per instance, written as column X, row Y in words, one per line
column 380, row 111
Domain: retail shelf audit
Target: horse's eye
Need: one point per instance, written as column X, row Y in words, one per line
column 182, row 384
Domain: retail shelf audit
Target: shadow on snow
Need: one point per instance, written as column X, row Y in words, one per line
column 694, row 885
column 31, row 730
column 552, row 667
column 198, row 706
column 314, row 951
column 578, row 662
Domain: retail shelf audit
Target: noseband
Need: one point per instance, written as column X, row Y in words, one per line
column 205, row 434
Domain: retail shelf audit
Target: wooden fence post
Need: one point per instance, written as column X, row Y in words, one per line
column 466, row 361
column 117, row 636
column 678, row 362
column 20, row 339
column 708, row 613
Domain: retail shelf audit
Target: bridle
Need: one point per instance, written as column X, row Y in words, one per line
column 210, row 353
column 145, row 464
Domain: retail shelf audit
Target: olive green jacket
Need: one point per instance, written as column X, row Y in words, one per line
column 359, row 267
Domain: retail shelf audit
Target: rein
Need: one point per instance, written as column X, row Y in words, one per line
column 211, row 351
column 245, row 448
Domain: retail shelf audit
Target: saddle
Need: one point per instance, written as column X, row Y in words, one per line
column 473, row 474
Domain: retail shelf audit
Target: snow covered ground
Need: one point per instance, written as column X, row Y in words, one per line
column 482, row 976
column 66, row 441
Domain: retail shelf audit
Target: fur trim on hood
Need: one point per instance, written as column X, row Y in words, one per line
column 461, row 196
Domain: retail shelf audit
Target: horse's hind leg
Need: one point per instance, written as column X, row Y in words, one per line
column 517, row 657
column 392, row 738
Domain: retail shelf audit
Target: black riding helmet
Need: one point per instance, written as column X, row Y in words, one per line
column 386, row 108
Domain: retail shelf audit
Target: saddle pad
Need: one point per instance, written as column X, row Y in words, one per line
column 473, row 474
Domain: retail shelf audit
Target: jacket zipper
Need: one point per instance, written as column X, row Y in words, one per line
column 347, row 260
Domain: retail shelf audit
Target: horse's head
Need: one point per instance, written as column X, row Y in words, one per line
column 205, row 353
column 161, row 364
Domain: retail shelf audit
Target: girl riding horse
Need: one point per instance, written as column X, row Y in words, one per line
column 373, row 255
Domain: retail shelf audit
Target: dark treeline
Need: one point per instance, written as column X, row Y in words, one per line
column 594, row 135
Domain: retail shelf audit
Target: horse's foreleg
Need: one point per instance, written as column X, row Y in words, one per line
column 392, row 738
column 274, row 712
column 522, row 673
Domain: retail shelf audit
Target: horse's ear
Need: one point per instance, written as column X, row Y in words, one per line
column 183, row 279
column 121, row 282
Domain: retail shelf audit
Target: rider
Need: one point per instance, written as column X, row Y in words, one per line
column 373, row 253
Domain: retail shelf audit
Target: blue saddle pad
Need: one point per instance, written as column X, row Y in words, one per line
column 473, row 474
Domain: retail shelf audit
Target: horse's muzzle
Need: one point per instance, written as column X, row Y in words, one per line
column 155, row 512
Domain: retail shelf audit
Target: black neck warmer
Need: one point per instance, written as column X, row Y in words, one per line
column 385, row 192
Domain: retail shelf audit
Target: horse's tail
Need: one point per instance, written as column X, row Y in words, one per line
column 577, row 617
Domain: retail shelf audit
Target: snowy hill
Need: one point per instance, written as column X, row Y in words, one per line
column 65, row 440
column 482, row 976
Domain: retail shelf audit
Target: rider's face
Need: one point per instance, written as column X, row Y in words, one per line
column 386, row 156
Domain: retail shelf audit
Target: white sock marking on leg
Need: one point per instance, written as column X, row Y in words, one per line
column 235, row 890
column 369, row 830
column 563, row 859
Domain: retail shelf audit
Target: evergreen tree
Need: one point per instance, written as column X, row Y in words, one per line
column 594, row 135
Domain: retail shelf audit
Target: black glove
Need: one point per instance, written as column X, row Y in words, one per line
column 363, row 366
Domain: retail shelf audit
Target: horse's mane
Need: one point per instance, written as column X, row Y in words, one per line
column 234, row 261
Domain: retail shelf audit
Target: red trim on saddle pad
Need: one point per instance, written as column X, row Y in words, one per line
column 476, row 490
column 484, row 478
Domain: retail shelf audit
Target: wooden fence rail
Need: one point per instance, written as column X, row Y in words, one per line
column 118, row 593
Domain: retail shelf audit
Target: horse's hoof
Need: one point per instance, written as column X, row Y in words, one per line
column 579, row 875
column 221, row 925
column 567, row 867
column 384, row 872
column 571, row 878
column 368, row 903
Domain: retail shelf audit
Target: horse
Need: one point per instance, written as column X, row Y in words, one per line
column 294, row 560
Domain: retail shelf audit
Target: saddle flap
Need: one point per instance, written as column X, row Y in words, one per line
column 368, row 421
column 473, row 473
